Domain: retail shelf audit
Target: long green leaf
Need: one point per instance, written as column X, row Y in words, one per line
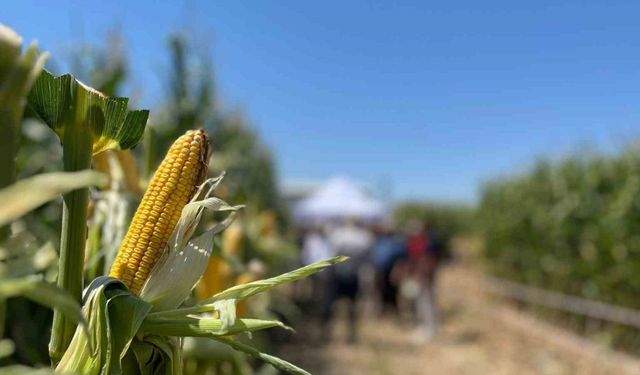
column 243, row 291
column 43, row 293
column 26, row 195
column 204, row 327
column 276, row 362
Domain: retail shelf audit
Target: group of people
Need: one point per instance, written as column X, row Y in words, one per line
column 389, row 266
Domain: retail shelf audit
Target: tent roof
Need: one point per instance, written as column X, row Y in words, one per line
column 339, row 198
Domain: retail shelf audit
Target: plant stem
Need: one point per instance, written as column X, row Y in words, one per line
column 77, row 149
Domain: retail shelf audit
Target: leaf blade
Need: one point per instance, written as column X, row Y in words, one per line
column 276, row 362
column 42, row 293
column 30, row 193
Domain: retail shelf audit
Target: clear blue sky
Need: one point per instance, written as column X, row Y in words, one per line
column 435, row 96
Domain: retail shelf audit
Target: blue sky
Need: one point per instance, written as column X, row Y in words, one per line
column 433, row 97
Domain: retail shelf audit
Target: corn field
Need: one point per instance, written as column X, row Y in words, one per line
column 120, row 279
column 571, row 226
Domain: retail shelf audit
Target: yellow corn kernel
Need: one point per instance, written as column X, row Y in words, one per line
column 170, row 189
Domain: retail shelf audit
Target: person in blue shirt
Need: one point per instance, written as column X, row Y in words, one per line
column 388, row 249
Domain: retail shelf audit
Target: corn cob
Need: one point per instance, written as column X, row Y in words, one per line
column 170, row 189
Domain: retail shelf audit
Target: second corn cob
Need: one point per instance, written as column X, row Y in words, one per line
column 172, row 186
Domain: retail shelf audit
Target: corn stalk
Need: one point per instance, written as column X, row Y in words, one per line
column 87, row 123
column 76, row 156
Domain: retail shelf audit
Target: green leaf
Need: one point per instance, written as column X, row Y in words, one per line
column 126, row 314
column 65, row 103
column 203, row 327
column 243, row 291
column 17, row 71
column 157, row 355
column 26, row 195
column 10, row 43
column 114, row 316
column 43, row 293
column 276, row 362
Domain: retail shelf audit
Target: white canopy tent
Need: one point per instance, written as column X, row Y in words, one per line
column 339, row 198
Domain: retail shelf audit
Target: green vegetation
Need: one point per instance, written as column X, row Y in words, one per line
column 571, row 226
column 448, row 220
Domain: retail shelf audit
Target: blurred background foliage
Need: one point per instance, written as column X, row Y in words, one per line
column 572, row 226
column 447, row 219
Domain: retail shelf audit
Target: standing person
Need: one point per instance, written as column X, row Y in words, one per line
column 388, row 249
column 426, row 271
column 354, row 241
column 409, row 274
column 316, row 247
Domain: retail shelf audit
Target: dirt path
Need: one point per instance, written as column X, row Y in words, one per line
column 479, row 336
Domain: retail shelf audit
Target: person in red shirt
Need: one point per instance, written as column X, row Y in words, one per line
column 423, row 253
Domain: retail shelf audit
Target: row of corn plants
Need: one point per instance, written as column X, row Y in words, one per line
column 137, row 309
column 571, row 225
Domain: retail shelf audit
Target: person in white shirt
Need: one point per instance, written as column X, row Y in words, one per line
column 354, row 241
column 315, row 247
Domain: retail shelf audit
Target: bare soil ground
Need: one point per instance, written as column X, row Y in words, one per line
column 479, row 335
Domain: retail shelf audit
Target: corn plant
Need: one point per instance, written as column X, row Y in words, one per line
column 134, row 316
column 87, row 123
